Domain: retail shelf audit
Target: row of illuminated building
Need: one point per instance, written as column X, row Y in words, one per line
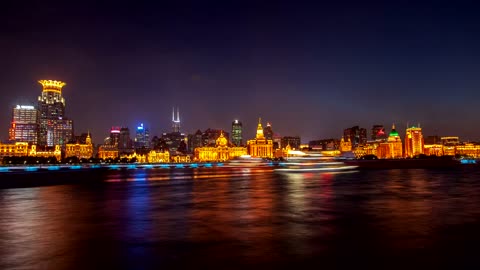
column 211, row 145
column 413, row 145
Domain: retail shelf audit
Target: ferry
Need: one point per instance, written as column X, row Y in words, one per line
column 247, row 161
column 313, row 163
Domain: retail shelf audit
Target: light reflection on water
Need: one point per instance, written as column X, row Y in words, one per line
column 252, row 217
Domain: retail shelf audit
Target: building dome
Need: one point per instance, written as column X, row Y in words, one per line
column 394, row 132
column 221, row 141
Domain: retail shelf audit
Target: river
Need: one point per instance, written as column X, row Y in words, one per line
column 255, row 218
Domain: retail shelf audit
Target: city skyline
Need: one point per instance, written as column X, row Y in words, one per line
column 312, row 69
column 175, row 121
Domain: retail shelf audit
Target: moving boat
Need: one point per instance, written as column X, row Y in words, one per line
column 308, row 163
column 247, row 161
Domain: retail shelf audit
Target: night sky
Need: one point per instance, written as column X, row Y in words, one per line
column 310, row 69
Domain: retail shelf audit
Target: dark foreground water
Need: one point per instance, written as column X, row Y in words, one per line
column 149, row 219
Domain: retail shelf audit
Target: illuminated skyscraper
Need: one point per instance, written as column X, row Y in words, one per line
column 413, row 141
column 24, row 126
column 114, row 136
column 142, row 137
column 175, row 141
column 54, row 128
column 176, row 121
column 237, row 133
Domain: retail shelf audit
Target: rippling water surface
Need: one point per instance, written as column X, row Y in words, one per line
column 220, row 218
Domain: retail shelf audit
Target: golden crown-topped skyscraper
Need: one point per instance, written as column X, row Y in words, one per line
column 54, row 128
column 260, row 146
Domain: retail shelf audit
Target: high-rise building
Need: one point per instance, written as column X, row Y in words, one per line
column 176, row 121
column 142, row 137
column 59, row 131
column 292, row 141
column 413, row 141
column 260, row 146
column 378, row 133
column 237, row 133
column 125, row 144
column 268, row 132
column 54, row 128
column 175, row 141
column 357, row 135
column 24, row 126
column 114, row 136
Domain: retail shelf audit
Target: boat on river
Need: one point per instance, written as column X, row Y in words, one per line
column 313, row 164
column 247, row 161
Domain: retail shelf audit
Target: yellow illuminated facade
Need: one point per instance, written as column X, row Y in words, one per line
column 449, row 150
column 433, row 149
column 181, row 158
column 22, row 149
column 413, row 142
column 449, row 145
column 18, row 149
column 464, row 149
column 158, row 156
column 80, row 150
column 468, row 149
column 370, row 148
column 108, row 151
column 56, row 152
column 345, row 146
column 221, row 151
column 392, row 148
column 260, row 146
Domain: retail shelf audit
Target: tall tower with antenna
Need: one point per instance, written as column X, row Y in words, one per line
column 176, row 120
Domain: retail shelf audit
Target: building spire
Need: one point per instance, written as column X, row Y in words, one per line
column 88, row 140
column 176, row 121
column 259, row 129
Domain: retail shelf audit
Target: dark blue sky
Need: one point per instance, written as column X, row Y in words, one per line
column 310, row 69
